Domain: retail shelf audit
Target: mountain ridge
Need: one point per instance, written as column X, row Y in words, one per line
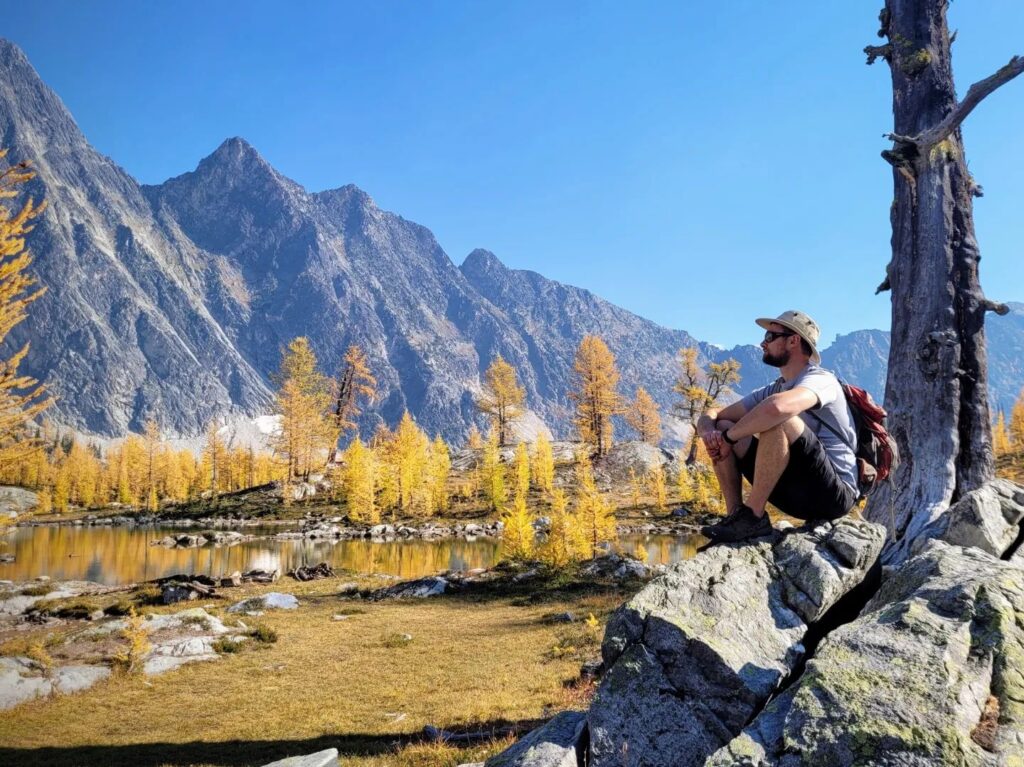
column 174, row 300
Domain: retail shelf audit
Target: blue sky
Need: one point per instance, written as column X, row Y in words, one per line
column 698, row 163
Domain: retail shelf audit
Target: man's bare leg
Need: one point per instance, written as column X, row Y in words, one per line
column 771, row 460
column 730, row 480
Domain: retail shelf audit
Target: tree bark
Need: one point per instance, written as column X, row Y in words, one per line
column 937, row 384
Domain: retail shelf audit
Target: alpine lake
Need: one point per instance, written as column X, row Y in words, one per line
column 122, row 554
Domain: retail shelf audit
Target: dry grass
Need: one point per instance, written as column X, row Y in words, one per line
column 482, row 663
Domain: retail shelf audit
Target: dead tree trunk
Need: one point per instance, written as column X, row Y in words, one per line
column 937, row 386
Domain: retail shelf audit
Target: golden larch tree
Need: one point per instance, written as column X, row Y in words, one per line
column 359, row 480
column 1017, row 422
column 1000, row 436
column 492, row 473
column 21, row 397
column 522, row 470
column 643, row 415
column 594, row 513
column 502, row 397
column 565, row 542
column 595, row 392
column 302, row 402
column 656, row 479
column 543, row 464
column 440, row 469
column 700, row 389
column 355, row 382
column 410, row 454
column 517, row 537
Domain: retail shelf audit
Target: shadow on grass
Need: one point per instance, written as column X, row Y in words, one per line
column 242, row 753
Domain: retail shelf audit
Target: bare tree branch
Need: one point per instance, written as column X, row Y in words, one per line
column 975, row 94
column 995, row 306
column 878, row 51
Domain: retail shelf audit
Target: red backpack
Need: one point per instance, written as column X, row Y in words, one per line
column 877, row 454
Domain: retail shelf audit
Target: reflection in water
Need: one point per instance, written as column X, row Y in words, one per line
column 114, row 555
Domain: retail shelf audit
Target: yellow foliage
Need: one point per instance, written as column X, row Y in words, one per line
column 359, row 480
column 440, row 468
column 636, row 488
column 493, row 473
column 640, row 553
column 1000, row 436
column 684, row 484
column 1017, row 422
column 354, row 382
column 474, row 440
column 595, row 392
column 656, row 478
column 701, row 389
column 130, row 657
column 522, row 470
column 543, row 464
column 596, row 520
column 502, row 397
column 565, row 542
column 644, row 417
column 302, row 400
column 21, row 397
column 517, row 538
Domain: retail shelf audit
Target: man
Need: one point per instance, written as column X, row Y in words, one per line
column 793, row 440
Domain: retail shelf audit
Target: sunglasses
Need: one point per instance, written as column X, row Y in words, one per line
column 771, row 335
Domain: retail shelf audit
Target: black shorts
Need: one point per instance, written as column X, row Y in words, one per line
column 809, row 487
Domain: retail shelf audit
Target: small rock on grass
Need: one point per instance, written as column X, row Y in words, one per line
column 326, row 758
column 269, row 601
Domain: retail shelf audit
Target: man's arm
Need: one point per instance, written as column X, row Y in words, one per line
column 733, row 412
column 772, row 411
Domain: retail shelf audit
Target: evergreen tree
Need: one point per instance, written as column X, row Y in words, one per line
column 644, row 417
column 502, row 397
column 595, row 393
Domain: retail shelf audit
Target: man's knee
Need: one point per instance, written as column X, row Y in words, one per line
column 791, row 427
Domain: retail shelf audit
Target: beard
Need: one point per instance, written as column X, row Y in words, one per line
column 776, row 360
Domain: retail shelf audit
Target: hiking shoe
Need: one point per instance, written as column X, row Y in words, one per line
column 743, row 525
column 710, row 531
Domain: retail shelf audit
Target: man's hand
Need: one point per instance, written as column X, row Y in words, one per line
column 718, row 449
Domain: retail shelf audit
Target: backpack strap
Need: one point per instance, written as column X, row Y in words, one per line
column 832, row 429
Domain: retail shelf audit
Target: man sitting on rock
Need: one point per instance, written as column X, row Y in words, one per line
column 780, row 437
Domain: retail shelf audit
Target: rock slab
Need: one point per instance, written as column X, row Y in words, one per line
column 559, row 743
column 696, row 653
column 930, row 674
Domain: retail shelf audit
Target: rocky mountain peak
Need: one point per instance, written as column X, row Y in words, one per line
column 33, row 120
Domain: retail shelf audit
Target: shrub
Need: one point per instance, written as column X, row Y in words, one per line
column 263, row 634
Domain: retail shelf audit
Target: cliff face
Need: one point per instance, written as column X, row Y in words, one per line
column 174, row 301
column 123, row 331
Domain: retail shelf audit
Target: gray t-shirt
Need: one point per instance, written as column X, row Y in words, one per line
column 831, row 407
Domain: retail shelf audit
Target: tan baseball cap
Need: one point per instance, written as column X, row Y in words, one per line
column 800, row 324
